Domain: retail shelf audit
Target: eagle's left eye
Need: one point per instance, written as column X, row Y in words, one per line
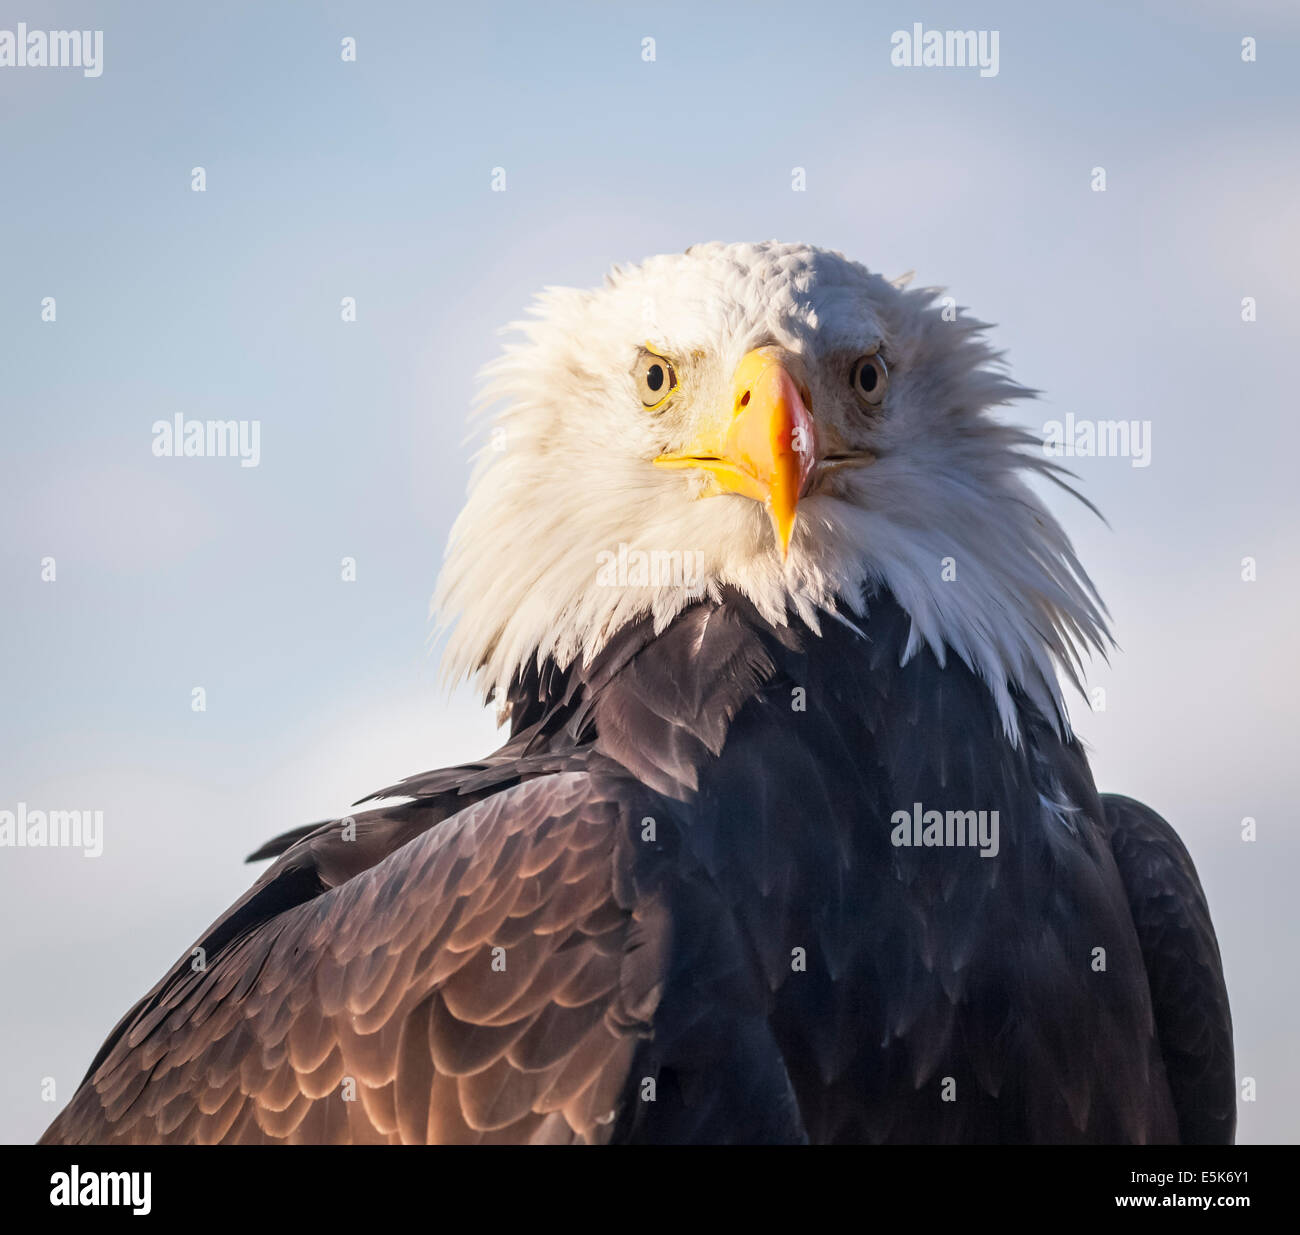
column 655, row 378
column 869, row 377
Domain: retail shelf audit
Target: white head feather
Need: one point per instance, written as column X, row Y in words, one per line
column 568, row 477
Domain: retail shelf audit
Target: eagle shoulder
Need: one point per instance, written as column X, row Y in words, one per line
column 488, row 980
column 1184, row 969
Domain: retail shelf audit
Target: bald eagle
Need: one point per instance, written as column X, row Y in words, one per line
column 790, row 840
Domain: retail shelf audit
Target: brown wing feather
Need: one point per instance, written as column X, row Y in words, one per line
column 387, row 983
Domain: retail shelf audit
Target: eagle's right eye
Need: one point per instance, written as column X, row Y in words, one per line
column 655, row 378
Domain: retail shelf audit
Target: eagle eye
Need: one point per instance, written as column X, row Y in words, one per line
column 656, row 379
column 869, row 377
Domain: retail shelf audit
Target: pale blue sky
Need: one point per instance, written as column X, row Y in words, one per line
column 372, row 179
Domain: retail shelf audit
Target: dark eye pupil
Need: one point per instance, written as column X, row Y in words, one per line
column 868, row 377
column 655, row 377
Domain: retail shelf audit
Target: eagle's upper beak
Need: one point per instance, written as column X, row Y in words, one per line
column 762, row 445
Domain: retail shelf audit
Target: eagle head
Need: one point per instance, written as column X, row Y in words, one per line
column 773, row 418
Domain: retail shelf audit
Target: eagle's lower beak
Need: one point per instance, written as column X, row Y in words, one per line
column 762, row 446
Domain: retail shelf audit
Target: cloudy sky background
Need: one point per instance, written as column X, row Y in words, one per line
column 372, row 180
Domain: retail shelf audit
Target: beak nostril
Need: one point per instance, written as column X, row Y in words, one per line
column 744, row 399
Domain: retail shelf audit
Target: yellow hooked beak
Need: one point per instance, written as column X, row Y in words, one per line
column 761, row 446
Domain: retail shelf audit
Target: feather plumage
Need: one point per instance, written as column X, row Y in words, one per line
column 673, row 906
